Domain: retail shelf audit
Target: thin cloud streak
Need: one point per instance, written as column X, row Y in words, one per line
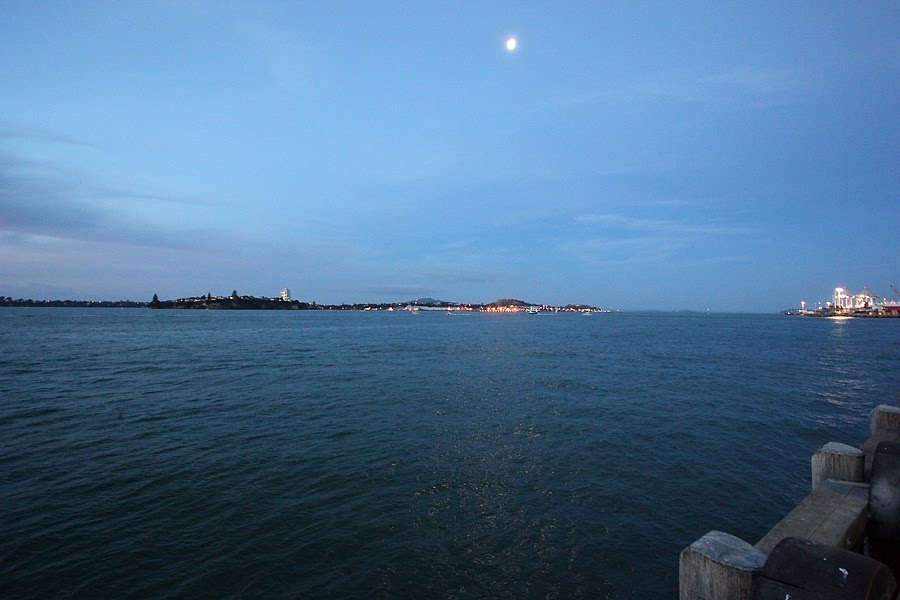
column 747, row 85
column 14, row 131
column 660, row 225
column 410, row 292
column 41, row 200
column 638, row 240
column 626, row 251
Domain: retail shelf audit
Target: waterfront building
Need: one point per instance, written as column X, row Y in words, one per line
column 286, row 295
column 844, row 300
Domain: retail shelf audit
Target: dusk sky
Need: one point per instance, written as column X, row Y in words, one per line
column 632, row 155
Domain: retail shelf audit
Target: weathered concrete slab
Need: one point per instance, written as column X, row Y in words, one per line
column 834, row 514
column 719, row 566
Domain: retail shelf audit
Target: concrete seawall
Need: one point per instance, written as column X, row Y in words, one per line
column 841, row 541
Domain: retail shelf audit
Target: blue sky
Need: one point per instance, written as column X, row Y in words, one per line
column 633, row 155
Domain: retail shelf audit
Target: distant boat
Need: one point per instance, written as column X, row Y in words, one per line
column 532, row 310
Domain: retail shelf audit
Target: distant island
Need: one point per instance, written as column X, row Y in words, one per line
column 235, row 301
column 232, row 302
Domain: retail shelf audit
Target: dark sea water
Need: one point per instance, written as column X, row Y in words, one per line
column 170, row 454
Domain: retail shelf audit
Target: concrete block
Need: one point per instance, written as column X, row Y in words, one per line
column 884, row 494
column 884, row 418
column 718, row 566
column 870, row 445
column 801, row 569
column 837, row 461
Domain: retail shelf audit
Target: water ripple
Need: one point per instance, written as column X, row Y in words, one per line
column 161, row 454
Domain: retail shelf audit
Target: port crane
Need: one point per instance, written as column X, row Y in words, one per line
column 867, row 292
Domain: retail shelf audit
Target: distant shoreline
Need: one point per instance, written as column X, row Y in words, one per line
column 6, row 301
column 236, row 302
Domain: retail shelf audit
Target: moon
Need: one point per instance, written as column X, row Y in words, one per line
column 511, row 44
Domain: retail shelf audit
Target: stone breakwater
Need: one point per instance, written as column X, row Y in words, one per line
column 841, row 541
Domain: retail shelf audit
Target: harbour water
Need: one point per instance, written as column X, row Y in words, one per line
column 232, row 454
